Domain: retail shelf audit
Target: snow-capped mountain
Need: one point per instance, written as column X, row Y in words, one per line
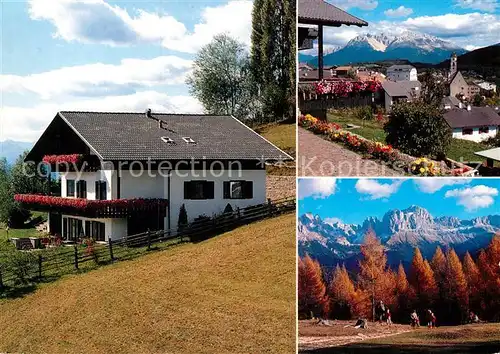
column 400, row 231
column 412, row 46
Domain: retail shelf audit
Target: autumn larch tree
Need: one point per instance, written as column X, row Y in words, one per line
column 403, row 294
column 311, row 288
column 455, row 287
column 438, row 265
column 372, row 267
column 473, row 277
column 341, row 293
column 422, row 280
column 489, row 265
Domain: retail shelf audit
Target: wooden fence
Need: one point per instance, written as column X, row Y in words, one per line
column 34, row 266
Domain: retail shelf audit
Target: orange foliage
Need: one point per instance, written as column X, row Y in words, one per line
column 455, row 287
column 473, row 278
column 341, row 293
column 311, row 288
column 422, row 280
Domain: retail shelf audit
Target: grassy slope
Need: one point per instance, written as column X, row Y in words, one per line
column 282, row 135
column 233, row 293
column 482, row 338
column 459, row 150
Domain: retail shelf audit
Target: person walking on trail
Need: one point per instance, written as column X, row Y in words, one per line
column 431, row 319
column 414, row 320
column 380, row 311
column 388, row 317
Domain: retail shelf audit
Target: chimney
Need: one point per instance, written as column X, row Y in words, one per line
column 469, row 107
column 460, row 105
column 148, row 113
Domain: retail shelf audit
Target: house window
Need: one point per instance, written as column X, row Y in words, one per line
column 95, row 230
column 81, row 189
column 238, row 190
column 467, row 131
column 73, row 229
column 484, row 130
column 199, row 189
column 70, row 188
column 101, row 190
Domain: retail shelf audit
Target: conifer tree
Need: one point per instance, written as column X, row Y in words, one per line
column 473, row 277
column 422, row 280
column 372, row 267
column 438, row 265
column 455, row 286
column 311, row 288
column 403, row 294
column 341, row 293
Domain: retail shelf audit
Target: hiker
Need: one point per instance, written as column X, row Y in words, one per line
column 414, row 320
column 388, row 317
column 380, row 311
column 473, row 318
column 431, row 319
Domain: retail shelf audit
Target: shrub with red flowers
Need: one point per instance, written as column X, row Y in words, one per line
column 85, row 204
column 344, row 88
column 58, row 159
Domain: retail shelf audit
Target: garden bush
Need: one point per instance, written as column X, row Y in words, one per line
column 418, row 129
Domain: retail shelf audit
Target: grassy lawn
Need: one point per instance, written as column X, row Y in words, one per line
column 482, row 338
column 371, row 130
column 231, row 294
column 459, row 150
column 28, row 232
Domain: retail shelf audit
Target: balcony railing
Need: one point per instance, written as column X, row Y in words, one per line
column 73, row 162
column 116, row 208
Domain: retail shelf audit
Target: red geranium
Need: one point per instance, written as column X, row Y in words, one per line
column 57, row 159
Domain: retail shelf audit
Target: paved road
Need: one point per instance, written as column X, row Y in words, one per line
column 318, row 157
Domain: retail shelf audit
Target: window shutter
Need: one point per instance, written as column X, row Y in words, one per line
column 248, row 189
column 187, row 190
column 98, row 190
column 226, row 190
column 104, row 190
column 208, row 189
column 88, row 230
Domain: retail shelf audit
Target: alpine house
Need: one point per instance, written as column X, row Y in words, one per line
column 125, row 173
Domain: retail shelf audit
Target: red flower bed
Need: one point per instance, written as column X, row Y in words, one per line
column 86, row 204
column 344, row 88
column 57, row 159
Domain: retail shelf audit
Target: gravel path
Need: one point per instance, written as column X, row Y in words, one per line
column 319, row 157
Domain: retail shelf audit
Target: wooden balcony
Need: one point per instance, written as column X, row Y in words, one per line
column 117, row 208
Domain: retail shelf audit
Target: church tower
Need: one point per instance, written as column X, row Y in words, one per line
column 453, row 64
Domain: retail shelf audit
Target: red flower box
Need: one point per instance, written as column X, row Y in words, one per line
column 58, row 159
column 85, row 204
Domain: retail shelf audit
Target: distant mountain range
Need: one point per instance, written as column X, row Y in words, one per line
column 487, row 56
column 412, row 46
column 400, row 231
column 11, row 149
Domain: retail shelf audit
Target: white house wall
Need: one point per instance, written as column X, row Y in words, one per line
column 133, row 185
column 90, row 178
column 209, row 207
column 457, row 134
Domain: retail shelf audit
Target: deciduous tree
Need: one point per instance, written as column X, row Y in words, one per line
column 473, row 277
column 422, row 280
column 341, row 293
column 455, row 288
column 313, row 298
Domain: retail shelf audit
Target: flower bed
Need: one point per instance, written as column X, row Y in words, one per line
column 85, row 204
column 58, row 159
column 376, row 150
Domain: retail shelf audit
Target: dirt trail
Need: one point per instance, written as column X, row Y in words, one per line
column 313, row 336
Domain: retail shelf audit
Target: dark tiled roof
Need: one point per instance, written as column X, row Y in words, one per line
column 400, row 88
column 450, row 101
column 476, row 117
column 319, row 11
column 133, row 136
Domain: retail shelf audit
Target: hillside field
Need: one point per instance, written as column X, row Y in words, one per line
column 234, row 293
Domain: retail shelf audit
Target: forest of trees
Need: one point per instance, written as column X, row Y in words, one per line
column 450, row 287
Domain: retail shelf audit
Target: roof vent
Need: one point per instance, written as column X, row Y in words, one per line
column 188, row 140
column 148, row 113
column 167, row 140
column 469, row 107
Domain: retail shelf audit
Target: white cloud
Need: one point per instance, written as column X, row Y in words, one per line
column 96, row 21
column 377, row 190
column 26, row 124
column 99, row 79
column 316, row 187
column 474, row 198
column 483, row 5
column 333, row 221
column 432, row 185
column 361, row 4
column 399, row 12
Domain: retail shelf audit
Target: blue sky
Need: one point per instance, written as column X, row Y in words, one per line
column 469, row 24
column 103, row 55
column 353, row 200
